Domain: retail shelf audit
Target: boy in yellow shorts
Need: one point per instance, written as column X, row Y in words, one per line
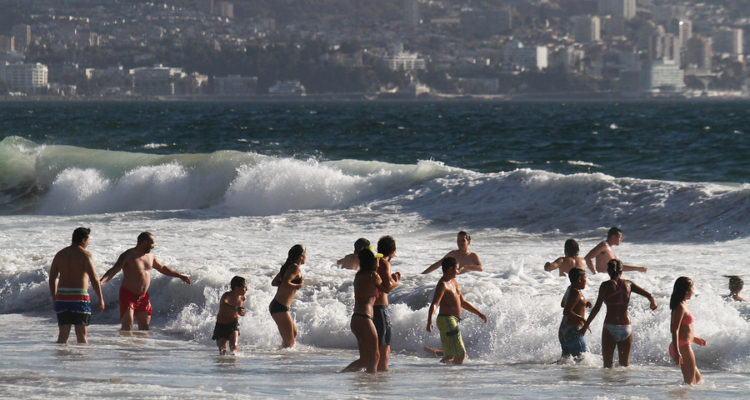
column 450, row 300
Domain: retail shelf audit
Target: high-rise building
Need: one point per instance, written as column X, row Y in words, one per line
column 728, row 40
column 225, row 9
column 7, row 43
column 587, row 29
column 411, row 14
column 22, row 34
column 27, row 78
column 618, row 8
column 665, row 75
column 665, row 46
column 699, row 52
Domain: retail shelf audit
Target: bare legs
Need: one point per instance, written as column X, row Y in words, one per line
column 608, row 349
column 64, row 333
column 287, row 329
column 367, row 341
column 232, row 342
column 690, row 372
column 141, row 316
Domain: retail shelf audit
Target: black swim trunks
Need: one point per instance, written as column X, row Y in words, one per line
column 276, row 307
column 223, row 331
column 73, row 318
column 382, row 321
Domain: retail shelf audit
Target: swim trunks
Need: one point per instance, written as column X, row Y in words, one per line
column 224, row 331
column 450, row 335
column 73, row 306
column 131, row 301
column 382, row 321
column 571, row 343
column 276, row 307
column 618, row 332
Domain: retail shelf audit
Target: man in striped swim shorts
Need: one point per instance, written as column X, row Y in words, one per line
column 74, row 268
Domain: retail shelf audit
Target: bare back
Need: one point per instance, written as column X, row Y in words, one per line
column 602, row 253
column 366, row 291
column 73, row 266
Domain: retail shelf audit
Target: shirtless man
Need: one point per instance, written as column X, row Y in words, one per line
column 136, row 265
column 450, row 300
column 569, row 261
column 468, row 260
column 351, row 261
column 603, row 252
column 382, row 315
column 74, row 267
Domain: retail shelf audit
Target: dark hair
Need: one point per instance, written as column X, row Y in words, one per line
column 237, row 281
column 80, row 234
column 144, row 236
column 464, row 233
column 614, row 268
column 360, row 244
column 681, row 286
column 366, row 260
column 292, row 256
column 571, row 248
column 575, row 273
column 386, row 245
column 448, row 263
column 735, row 284
column 613, row 231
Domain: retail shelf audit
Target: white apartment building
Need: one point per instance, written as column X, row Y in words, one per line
column 519, row 57
column 665, row 75
column 27, row 78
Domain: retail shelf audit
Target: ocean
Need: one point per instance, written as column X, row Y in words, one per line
column 228, row 187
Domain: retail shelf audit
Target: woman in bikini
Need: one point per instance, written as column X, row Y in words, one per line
column 367, row 287
column 617, row 331
column 288, row 280
column 682, row 331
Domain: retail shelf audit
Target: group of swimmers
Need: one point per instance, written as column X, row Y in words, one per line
column 370, row 321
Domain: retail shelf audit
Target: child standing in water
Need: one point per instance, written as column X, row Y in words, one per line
column 450, row 299
column 682, row 331
column 227, row 329
column 574, row 310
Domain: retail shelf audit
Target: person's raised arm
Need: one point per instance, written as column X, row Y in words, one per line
column 551, row 266
column 634, row 268
column 594, row 311
column 91, row 271
column 170, row 272
column 115, row 268
column 436, row 298
column 390, row 281
column 592, row 254
column 433, row 267
column 637, row 289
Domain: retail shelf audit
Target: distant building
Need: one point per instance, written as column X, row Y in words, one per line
column 665, row 76
column 225, row 9
column 486, row 23
column 7, row 43
column 411, row 13
column 664, row 46
column 683, row 29
column 586, row 29
column 22, row 34
column 699, row 53
column 27, row 78
column 399, row 60
column 568, row 58
column 155, row 81
column 729, row 41
column 518, row 57
column 617, row 8
column 287, row 88
column 235, row 85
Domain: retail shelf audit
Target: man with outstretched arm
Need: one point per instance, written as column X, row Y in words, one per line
column 604, row 251
column 468, row 260
column 136, row 265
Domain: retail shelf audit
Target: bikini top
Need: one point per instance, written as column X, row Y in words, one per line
column 688, row 319
column 620, row 297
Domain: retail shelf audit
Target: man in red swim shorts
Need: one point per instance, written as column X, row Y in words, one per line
column 136, row 265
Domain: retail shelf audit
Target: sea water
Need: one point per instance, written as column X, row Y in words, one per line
column 228, row 188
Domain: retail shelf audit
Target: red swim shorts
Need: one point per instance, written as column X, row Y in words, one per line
column 131, row 301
